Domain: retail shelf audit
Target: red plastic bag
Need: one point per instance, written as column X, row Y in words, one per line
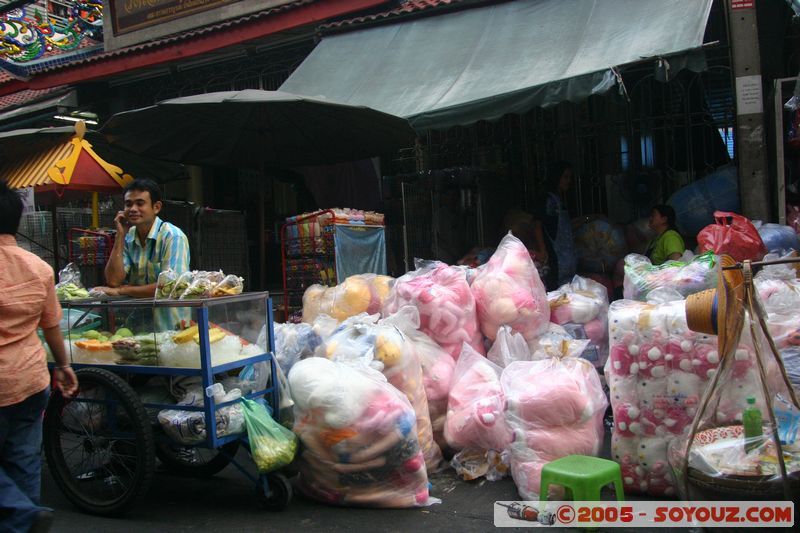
column 734, row 235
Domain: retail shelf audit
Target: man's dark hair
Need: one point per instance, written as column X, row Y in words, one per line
column 145, row 185
column 10, row 209
column 554, row 173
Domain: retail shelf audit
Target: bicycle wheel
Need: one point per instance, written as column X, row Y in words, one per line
column 99, row 445
column 194, row 461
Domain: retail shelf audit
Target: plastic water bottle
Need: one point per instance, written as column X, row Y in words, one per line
column 751, row 420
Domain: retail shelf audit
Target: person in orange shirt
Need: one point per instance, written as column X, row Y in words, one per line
column 27, row 302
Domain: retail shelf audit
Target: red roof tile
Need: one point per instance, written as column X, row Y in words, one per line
column 27, row 96
column 405, row 8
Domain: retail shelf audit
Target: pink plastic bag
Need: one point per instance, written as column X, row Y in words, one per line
column 737, row 238
column 508, row 292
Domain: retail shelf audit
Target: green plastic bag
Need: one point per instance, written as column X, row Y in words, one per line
column 272, row 445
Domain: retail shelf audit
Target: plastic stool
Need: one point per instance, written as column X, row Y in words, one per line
column 583, row 476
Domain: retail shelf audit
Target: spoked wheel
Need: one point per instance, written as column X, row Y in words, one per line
column 274, row 492
column 195, row 461
column 99, row 445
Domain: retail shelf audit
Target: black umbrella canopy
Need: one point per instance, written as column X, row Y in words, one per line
column 24, row 142
column 253, row 128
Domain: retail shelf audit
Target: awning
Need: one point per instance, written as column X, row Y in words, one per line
column 485, row 62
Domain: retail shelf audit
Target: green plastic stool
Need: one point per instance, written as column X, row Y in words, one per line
column 583, row 476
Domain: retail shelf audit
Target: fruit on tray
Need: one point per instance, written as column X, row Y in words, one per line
column 124, row 332
column 141, row 350
column 70, row 291
column 94, row 345
column 92, row 334
column 214, row 335
column 185, row 335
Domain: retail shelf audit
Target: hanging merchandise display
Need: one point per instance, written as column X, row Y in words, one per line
column 554, row 407
column 447, row 310
column 508, row 292
column 743, row 443
column 359, row 438
column 581, row 307
column 686, row 276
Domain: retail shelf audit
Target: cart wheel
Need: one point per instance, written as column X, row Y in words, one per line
column 195, row 461
column 99, row 445
column 274, row 492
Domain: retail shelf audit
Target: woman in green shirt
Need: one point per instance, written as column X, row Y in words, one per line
column 668, row 245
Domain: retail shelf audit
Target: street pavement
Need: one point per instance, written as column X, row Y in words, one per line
column 227, row 502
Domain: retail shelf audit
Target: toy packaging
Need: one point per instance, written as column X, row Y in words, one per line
column 508, row 292
column 359, row 438
column 555, row 407
column 362, row 293
column 446, row 306
column 581, row 307
column 475, row 423
column 362, row 341
column 688, row 276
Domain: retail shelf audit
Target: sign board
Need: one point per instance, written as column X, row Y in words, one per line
column 748, row 95
column 28, row 203
column 129, row 22
column 742, row 4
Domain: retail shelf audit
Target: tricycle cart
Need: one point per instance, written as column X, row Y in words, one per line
column 101, row 445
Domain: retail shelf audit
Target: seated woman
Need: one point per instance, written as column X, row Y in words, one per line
column 668, row 245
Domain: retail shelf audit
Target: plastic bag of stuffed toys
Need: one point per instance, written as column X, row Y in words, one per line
column 189, row 427
column 445, row 302
column 508, row 292
column 642, row 277
column 475, row 425
column 555, row 408
column 362, row 293
column 271, row 445
column 384, row 347
column 437, row 368
column 359, row 438
column 582, row 308
column 294, row 342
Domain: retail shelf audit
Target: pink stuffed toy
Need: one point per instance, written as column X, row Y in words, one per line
column 652, row 362
column 622, row 363
column 447, row 312
column 627, row 421
column 508, row 292
column 475, row 409
column 582, row 306
column 705, row 361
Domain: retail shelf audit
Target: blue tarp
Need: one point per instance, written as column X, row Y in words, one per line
column 360, row 250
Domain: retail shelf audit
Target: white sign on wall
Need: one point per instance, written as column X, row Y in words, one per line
column 748, row 95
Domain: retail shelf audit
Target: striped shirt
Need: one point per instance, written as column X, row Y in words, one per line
column 166, row 247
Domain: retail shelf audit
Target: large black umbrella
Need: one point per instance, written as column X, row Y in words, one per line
column 18, row 144
column 254, row 128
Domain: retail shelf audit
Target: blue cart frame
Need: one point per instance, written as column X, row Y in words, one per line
column 207, row 371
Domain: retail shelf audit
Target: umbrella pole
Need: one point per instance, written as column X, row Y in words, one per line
column 95, row 212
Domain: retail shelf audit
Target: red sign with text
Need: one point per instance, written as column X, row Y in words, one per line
column 742, row 4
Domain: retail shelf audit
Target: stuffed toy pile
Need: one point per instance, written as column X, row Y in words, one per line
column 657, row 371
column 555, row 407
column 363, row 293
column 384, row 347
column 359, row 437
column 581, row 307
column 445, row 303
column 687, row 277
column 475, row 421
column 508, row 292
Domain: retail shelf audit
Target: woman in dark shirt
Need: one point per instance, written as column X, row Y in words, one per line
column 553, row 229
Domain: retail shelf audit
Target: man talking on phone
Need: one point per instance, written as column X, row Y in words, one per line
column 144, row 245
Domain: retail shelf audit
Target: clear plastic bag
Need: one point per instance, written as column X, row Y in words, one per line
column 362, row 293
column 271, row 445
column 166, row 283
column 182, row 283
column 69, row 286
column 582, row 308
column 229, row 286
column 599, row 245
column 359, row 438
column 777, row 237
column 384, row 347
column 508, row 347
column 294, row 342
column 189, row 427
column 445, row 303
column 508, row 292
column 555, row 408
column 201, row 286
column 475, row 409
column 686, row 277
